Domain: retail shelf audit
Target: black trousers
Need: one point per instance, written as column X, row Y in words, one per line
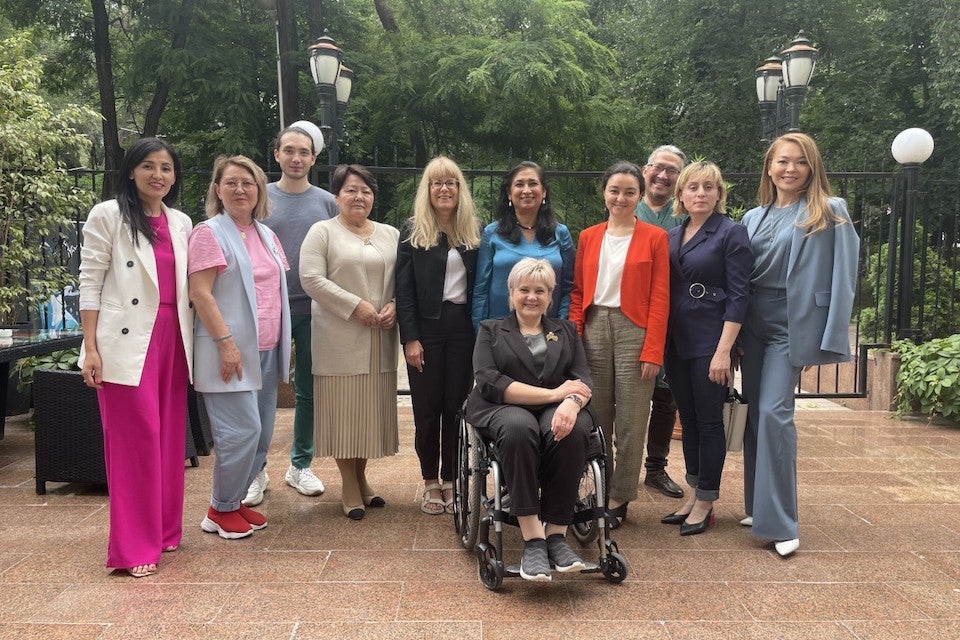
column 439, row 392
column 663, row 416
column 542, row 475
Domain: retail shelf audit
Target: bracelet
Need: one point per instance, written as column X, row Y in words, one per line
column 576, row 399
column 222, row 338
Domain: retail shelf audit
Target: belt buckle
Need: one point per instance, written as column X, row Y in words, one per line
column 701, row 290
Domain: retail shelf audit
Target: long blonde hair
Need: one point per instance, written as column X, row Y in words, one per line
column 214, row 205
column 816, row 191
column 425, row 232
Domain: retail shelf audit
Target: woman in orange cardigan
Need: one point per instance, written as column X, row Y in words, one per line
column 620, row 302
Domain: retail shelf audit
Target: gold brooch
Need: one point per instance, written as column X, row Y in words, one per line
column 552, row 337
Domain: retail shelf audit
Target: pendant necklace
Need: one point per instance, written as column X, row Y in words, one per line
column 523, row 226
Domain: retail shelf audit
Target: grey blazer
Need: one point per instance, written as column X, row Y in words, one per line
column 821, row 284
column 236, row 297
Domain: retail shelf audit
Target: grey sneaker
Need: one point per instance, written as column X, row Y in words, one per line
column 257, row 487
column 562, row 556
column 534, row 563
column 304, row 481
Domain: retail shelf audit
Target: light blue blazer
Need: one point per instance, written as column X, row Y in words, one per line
column 236, row 297
column 821, row 284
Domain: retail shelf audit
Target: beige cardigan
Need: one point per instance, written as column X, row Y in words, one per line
column 333, row 274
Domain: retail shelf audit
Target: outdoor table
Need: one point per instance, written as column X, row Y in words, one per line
column 26, row 344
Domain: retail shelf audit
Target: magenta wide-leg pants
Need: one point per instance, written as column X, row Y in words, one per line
column 143, row 447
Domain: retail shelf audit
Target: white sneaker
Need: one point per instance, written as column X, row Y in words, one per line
column 257, row 487
column 304, row 481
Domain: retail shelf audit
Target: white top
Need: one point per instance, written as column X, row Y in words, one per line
column 455, row 279
column 613, row 255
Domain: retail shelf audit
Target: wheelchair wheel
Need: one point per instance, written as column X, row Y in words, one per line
column 615, row 568
column 587, row 531
column 489, row 568
column 466, row 487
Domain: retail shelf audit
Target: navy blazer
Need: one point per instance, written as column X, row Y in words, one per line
column 501, row 356
column 716, row 262
column 420, row 277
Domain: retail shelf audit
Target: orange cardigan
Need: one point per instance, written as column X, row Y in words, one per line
column 644, row 288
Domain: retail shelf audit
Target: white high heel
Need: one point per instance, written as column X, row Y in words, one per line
column 787, row 547
column 747, row 522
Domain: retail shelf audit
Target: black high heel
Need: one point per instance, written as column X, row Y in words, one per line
column 674, row 518
column 616, row 516
column 698, row 527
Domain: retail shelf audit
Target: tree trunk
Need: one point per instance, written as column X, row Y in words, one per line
column 316, row 21
column 151, row 123
column 289, row 60
column 112, row 153
column 386, row 16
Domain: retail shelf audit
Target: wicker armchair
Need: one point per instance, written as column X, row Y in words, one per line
column 69, row 435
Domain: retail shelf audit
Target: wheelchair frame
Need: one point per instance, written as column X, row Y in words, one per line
column 475, row 512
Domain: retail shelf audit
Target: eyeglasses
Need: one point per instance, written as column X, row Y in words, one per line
column 440, row 184
column 233, row 185
column 660, row 168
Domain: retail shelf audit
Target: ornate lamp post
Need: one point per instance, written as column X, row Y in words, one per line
column 911, row 148
column 781, row 86
column 334, row 84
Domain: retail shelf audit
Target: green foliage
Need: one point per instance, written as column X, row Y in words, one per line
column 65, row 360
column 37, row 200
column 927, row 379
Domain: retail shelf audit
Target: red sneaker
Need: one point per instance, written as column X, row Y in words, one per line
column 227, row 524
column 255, row 518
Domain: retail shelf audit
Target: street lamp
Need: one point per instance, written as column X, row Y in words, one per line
column 270, row 6
column 911, row 148
column 334, row 84
column 781, row 86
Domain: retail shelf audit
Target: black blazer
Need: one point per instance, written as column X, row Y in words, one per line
column 501, row 356
column 420, row 275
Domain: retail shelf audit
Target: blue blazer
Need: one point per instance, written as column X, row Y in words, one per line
column 497, row 257
column 719, row 258
column 821, row 284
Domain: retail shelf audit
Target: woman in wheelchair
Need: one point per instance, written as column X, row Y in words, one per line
column 532, row 382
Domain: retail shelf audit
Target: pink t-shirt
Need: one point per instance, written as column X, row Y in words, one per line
column 205, row 252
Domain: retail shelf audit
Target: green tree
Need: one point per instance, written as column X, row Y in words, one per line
column 37, row 200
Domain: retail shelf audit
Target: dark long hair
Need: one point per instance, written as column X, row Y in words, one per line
column 507, row 227
column 131, row 207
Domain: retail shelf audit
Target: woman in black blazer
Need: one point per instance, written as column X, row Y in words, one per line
column 436, row 267
column 532, row 382
column 710, row 263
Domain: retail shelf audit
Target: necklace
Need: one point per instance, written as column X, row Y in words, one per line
column 243, row 228
column 523, row 226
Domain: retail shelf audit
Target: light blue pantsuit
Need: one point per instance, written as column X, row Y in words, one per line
column 770, row 439
column 242, row 427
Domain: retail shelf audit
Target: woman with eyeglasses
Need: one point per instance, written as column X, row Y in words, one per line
column 347, row 266
column 436, row 266
column 238, row 287
column 526, row 227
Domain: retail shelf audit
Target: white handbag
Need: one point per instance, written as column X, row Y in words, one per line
column 734, row 417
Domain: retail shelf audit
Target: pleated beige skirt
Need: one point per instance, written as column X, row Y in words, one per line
column 356, row 416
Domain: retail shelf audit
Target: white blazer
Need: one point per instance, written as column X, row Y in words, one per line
column 120, row 281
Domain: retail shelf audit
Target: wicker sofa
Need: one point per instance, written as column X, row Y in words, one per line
column 69, row 436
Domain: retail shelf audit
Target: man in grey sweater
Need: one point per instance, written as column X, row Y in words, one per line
column 295, row 205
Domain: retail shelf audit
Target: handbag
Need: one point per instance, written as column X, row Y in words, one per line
column 734, row 417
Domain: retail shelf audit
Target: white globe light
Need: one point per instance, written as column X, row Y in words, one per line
column 912, row 146
column 314, row 132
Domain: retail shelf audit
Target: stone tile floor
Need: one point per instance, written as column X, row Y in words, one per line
column 880, row 557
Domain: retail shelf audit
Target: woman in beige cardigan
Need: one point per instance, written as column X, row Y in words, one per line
column 347, row 266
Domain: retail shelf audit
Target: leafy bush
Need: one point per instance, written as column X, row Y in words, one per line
column 65, row 360
column 928, row 377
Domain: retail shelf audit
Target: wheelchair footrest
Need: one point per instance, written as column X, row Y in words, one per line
column 513, row 570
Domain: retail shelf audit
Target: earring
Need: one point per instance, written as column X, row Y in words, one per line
column 510, row 203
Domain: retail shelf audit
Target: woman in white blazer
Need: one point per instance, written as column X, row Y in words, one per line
column 803, row 282
column 137, row 346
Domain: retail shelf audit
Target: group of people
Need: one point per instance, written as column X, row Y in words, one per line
column 641, row 320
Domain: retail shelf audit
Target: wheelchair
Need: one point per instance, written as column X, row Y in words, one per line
column 481, row 502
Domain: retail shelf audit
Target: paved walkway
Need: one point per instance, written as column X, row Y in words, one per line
column 880, row 514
